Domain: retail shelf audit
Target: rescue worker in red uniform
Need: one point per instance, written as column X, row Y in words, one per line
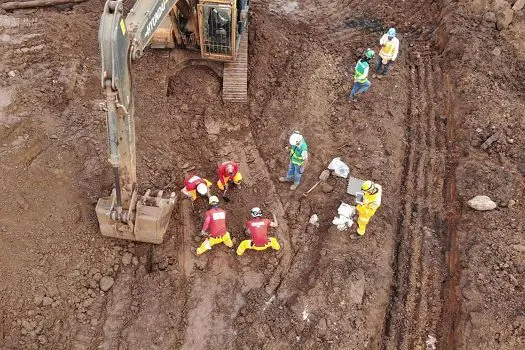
column 194, row 185
column 214, row 227
column 258, row 228
column 228, row 172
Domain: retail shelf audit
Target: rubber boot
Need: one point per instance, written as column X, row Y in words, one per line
column 284, row 179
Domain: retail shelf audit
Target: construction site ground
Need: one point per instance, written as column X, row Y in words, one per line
column 428, row 265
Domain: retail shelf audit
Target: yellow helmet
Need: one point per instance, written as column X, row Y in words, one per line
column 367, row 186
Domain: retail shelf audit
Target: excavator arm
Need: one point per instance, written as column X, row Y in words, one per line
column 124, row 214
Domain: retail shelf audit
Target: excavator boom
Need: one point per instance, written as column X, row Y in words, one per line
column 125, row 214
column 217, row 26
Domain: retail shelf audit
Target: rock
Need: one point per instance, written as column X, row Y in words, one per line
column 126, row 258
column 482, row 203
column 499, row 5
column 11, row 73
column 97, row 277
column 46, row 301
column 357, row 291
column 511, row 203
column 314, row 220
column 479, row 5
column 518, row 5
column 184, row 107
column 213, row 127
column 326, row 188
column 106, row 283
column 504, row 18
column 519, row 247
column 93, row 284
column 496, row 52
column 322, row 325
column 94, row 321
column 488, row 142
column 489, row 17
column 135, row 261
column 163, row 265
column 38, row 300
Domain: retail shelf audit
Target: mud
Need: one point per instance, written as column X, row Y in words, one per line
column 428, row 264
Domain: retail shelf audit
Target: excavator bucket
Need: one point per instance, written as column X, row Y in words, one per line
column 148, row 221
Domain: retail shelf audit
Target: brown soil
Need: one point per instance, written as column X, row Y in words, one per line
column 428, row 265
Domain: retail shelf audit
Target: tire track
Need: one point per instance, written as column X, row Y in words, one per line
column 416, row 306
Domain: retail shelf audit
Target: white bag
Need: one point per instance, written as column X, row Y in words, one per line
column 346, row 210
column 339, row 167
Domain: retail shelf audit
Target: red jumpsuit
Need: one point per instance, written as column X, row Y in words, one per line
column 215, row 225
column 258, row 228
column 224, row 176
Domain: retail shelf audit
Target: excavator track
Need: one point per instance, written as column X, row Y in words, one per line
column 235, row 75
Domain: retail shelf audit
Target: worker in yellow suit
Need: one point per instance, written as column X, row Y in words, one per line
column 371, row 202
column 388, row 54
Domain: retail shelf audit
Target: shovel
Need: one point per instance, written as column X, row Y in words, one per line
column 226, row 199
column 323, row 177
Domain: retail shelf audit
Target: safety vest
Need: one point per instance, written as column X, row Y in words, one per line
column 373, row 201
column 217, row 222
column 361, row 72
column 258, row 231
column 191, row 182
column 389, row 47
column 296, row 153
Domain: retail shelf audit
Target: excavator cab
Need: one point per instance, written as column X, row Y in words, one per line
column 221, row 24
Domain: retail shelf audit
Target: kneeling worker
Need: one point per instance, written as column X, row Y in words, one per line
column 215, row 227
column 258, row 229
column 228, row 172
column 194, row 185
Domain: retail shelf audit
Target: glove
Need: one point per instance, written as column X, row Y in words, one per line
column 203, row 233
column 301, row 170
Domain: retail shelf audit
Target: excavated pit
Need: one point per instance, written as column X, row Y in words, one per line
column 418, row 272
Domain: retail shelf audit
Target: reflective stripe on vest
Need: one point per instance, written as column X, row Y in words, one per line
column 296, row 153
column 387, row 51
column 193, row 179
column 360, row 76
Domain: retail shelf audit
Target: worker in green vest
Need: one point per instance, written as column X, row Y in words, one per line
column 361, row 82
column 298, row 156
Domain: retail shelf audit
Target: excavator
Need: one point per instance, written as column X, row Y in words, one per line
column 212, row 33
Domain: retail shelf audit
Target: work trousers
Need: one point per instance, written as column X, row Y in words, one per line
column 382, row 68
column 295, row 172
column 360, row 88
column 211, row 241
column 248, row 244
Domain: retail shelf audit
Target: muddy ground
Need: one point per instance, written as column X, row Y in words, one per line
column 428, row 265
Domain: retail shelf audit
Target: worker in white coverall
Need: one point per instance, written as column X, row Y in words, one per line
column 388, row 54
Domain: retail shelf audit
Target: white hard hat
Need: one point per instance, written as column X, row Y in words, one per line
column 256, row 212
column 202, row 189
column 296, row 138
column 213, row 200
